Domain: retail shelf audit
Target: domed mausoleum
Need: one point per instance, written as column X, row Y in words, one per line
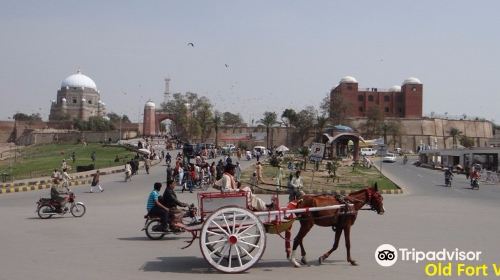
column 78, row 98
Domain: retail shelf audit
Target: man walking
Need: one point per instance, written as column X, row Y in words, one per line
column 95, row 182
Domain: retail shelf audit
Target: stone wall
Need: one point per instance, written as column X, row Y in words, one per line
column 427, row 131
column 36, row 137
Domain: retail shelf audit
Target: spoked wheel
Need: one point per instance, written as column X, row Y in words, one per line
column 152, row 231
column 78, row 210
column 232, row 239
column 45, row 211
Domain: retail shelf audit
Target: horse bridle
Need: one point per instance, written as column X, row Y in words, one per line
column 368, row 201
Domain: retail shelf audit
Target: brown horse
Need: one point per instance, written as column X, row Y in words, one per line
column 339, row 219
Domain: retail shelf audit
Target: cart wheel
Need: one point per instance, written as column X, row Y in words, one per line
column 232, row 239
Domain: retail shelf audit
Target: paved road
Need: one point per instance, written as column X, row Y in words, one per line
column 107, row 242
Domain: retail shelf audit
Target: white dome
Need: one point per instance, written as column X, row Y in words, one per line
column 412, row 81
column 150, row 104
column 395, row 89
column 348, row 79
column 78, row 80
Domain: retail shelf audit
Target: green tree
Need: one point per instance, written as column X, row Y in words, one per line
column 334, row 106
column 115, row 118
column 304, row 152
column 321, row 122
column 204, row 117
column 395, row 131
column 374, row 120
column 232, row 120
column 192, row 117
column 95, row 123
column 288, row 117
column 217, row 123
column 305, row 122
column 269, row 119
column 467, row 142
column 25, row 117
column 455, row 133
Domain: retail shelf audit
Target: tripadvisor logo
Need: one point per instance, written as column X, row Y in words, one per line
column 386, row 255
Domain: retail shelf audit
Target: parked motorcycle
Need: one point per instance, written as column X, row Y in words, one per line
column 47, row 207
column 179, row 219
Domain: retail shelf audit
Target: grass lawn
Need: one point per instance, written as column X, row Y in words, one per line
column 347, row 178
column 41, row 160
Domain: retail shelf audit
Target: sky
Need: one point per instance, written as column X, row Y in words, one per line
column 280, row 54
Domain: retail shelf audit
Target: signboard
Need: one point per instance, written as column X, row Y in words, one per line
column 317, row 151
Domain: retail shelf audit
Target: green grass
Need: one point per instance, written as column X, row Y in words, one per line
column 41, row 160
column 355, row 179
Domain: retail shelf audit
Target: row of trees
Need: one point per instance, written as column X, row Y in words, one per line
column 195, row 116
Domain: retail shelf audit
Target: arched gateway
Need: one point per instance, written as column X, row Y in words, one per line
column 153, row 118
column 337, row 142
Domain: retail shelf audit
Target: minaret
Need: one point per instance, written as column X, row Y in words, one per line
column 166, row 94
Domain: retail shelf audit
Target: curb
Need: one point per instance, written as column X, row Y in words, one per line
column 47, row 183
column 333, row 192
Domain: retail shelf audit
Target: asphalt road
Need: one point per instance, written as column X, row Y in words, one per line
column 107, row 242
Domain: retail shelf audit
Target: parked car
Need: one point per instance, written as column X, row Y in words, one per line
column 368, row 151
column 260, row 149
column 389, row 157
column 229, row 148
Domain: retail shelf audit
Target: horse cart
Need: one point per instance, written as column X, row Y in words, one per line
column 232, row 237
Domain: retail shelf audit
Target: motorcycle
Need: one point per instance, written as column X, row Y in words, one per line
column 128, row 175
column 47, row 207
column 179, row 220
column 475, row 184
column 447, row 181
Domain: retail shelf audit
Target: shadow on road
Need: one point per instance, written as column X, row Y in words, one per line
column 179, row 265
column 198, row 265
column 145, row 238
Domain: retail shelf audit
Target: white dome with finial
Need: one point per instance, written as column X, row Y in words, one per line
column 348, row 79
column 395, row 89
column 150, row 104
column 78, row 80
column 412, row 81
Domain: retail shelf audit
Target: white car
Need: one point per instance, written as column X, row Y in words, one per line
column 389, row 157
column 368, row 151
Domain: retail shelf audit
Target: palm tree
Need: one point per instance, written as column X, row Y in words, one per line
column 288, row 118
column 455, row 132
column 217, row 122
column 321, row 122
column 268, row 120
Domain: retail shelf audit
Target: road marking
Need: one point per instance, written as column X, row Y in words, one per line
column 420, row 176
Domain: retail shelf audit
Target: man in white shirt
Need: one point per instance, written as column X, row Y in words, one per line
column 228, row 184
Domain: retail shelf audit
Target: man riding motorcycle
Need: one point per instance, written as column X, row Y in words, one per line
column 156, row 208
column 56, row 194
column 169, row 200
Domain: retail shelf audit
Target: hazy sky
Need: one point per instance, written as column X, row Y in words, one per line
column 281, row 54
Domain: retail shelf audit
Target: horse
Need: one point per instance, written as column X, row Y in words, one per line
column 339, row 219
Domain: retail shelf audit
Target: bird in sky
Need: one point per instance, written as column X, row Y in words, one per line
column 227, row 66
column 191, row 44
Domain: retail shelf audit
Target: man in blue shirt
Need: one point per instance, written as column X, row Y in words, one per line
column 155, row 208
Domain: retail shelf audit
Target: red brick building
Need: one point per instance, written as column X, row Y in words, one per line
column 403, row 101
